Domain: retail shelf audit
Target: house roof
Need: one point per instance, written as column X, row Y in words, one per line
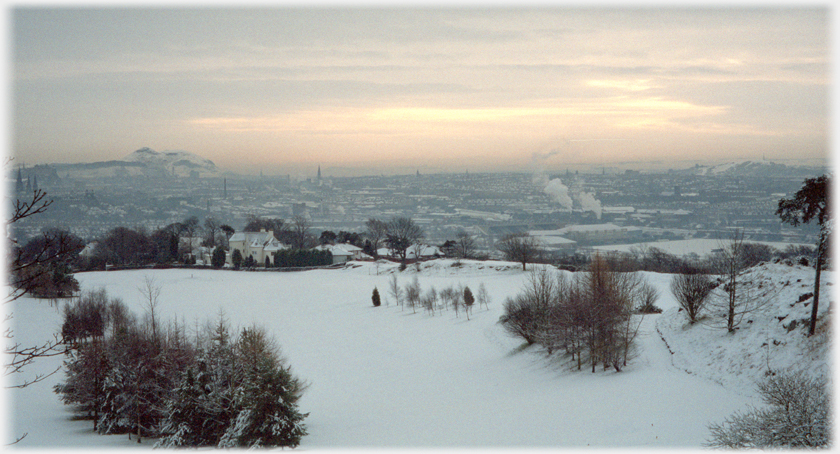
column 254, row 239
column 335, row 249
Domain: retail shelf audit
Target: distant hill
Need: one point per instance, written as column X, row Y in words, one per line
column 751, row 168
column 176, row 160
column 144, row 162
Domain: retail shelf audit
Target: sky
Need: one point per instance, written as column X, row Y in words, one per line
column 378, row 89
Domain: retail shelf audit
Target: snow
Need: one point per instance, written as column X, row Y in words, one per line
column 699, row 246
column 388, row 378
column 762, row 340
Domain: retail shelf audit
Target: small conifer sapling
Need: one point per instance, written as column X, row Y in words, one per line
column 375, row 297
column 469, row 299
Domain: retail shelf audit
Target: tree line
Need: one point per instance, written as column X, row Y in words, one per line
column 459, row 299
column 146, row 378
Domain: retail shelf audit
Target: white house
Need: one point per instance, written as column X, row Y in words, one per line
column 258, row 245
column 343, row 252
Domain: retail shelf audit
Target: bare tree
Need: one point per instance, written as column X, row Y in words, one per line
column 735, row 296
column 464, row 245
column 483, row 297
column 429, row 301
column 519, row 247
column 728, row 262
column 375, row 231
column 691, row 289
column 211, row 228
column 396, row 290
column 412, row 294
column 151, row 292
column 402, row 234
column 299, row 235
column 190, row 227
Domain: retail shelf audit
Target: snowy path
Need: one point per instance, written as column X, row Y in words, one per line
column 384, row 377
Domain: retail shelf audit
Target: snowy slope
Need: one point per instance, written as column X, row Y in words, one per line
column 764, row 341
column 386, row 377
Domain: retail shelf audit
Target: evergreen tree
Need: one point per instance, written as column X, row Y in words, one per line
column 375, row 297
column 86, row 369
column 808, row 204
column 218, row 258
column 469, row 299
column 236, row 259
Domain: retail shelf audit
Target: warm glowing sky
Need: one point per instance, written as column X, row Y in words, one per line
column 394, row 89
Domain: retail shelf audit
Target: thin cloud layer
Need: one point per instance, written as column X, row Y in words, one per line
column 354, row 86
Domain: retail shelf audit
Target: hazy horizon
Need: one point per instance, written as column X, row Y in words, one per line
column 391, row 90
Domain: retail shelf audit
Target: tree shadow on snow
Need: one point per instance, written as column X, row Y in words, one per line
column 524, row 346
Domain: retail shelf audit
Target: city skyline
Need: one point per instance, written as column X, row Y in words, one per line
column 485, row 89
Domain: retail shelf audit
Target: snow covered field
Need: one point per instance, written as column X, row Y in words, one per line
column 386, row 377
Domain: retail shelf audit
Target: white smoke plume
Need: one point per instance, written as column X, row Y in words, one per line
column 559, row 192
column 588, row 202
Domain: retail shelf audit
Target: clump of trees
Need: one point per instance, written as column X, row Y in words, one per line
column 459, row 299
column 520, row 247
column 797, row 416
column 401, row 234
column 592, row 316
column 43, row 266
column 138, row 376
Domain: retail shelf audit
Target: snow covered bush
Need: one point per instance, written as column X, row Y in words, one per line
column 241, row 395
column 265, row 400
column 797, row 417
column 226, row 391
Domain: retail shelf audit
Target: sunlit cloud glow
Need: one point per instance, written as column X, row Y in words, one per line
column 275, row 86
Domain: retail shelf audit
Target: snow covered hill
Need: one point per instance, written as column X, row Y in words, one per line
column 747, row 168
column 178, row 162
column 769, row 340
column 390, row 378
column 144, row 162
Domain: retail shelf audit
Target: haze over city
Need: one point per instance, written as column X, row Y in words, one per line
column 389, row 90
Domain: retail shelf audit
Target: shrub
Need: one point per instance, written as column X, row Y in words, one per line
column 797, row 417
column 691, row 290
column 648, row 295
